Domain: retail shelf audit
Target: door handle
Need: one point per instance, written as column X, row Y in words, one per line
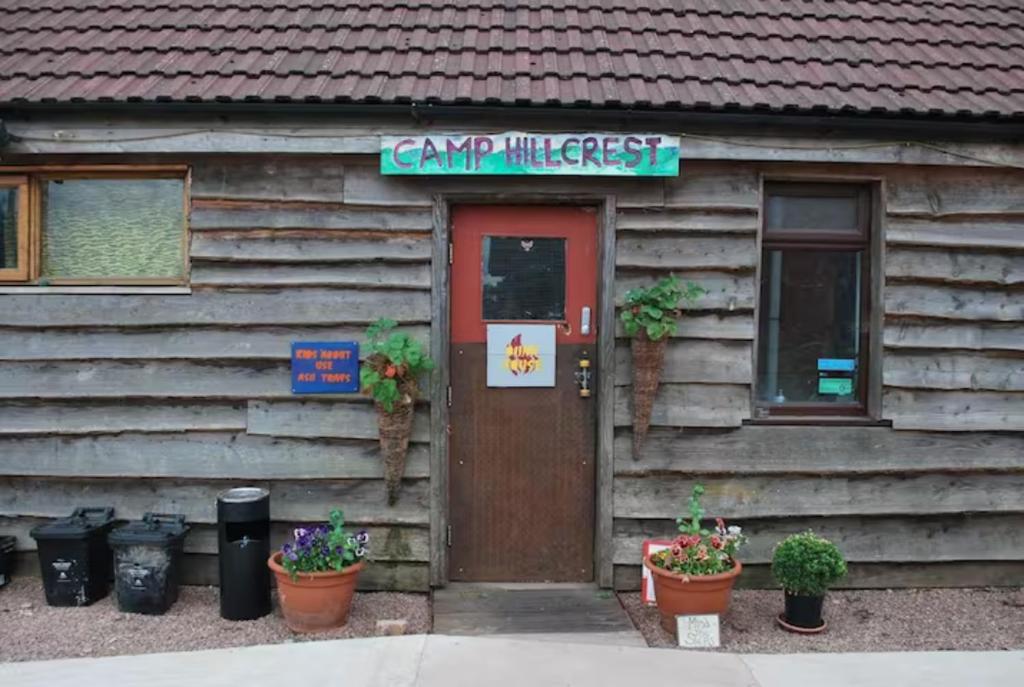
column 585, row 321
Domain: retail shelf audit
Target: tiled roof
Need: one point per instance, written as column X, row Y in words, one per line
column 903, row 57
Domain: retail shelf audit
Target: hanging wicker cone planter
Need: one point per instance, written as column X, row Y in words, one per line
column 648, row 358
column 395, row 429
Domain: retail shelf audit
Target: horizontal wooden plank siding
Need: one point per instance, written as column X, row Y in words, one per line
column 830, row 451
column 156, row 401
column 319, row 419
column 689, row 405
column 306, row 247
column 931, row 538
column 304, row 216
column 363, row 500
column 693, row 360
column 71, row 418
column 200, row 455
column 750, row 496
column 175, row 343
column 295, row 306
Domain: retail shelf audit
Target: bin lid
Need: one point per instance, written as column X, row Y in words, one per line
column 154, row 528
column 243, row 495
column 80, row 524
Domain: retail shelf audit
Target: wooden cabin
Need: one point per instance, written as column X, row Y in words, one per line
column 179, row 205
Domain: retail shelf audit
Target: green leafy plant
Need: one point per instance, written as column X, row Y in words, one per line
column 392, row 369
column 653, row 310
column 806, row 564
column 698, row 550
column 324, row 547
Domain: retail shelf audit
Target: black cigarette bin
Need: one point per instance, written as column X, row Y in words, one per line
column 243, row 519
column 147, row 562
column 74, row 557
column 6, row 559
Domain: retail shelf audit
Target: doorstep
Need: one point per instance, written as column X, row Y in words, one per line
column 570, row 613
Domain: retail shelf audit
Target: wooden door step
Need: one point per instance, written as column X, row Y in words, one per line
column 569, row 612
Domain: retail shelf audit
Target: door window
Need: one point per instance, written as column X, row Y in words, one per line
column 523, row 278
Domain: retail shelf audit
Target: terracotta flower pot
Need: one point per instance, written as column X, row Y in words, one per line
column 315, row 601
column 648, row 359
column 395, row 429
column 690, row 594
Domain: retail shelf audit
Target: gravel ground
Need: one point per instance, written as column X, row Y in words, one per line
column 30, row 630
column 876, row 620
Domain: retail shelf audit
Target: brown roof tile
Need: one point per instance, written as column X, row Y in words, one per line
column 877, row 56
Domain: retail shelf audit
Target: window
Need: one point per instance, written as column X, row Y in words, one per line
column 93, row 227
column 813, row 332
column 13, row 228
column 523, row 278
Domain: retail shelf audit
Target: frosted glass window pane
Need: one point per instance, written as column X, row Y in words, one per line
column 812, row 213
column 8, row 228
column 113, row 228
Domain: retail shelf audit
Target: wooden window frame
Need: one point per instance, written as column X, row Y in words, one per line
column 22, row 271
column 35, row 176
column 860, row 239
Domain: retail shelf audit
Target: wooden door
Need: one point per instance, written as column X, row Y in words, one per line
column 521, row 462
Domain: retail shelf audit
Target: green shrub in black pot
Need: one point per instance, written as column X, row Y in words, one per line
column 806, row 565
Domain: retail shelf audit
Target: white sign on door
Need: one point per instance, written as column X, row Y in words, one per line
column 520, row 355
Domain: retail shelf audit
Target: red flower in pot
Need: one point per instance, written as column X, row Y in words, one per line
column 696, row 574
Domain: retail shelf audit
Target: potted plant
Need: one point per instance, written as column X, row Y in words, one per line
column 696, row 574
column 317, row 573
column 806, row 565
column 649, row 318
column 390, row 375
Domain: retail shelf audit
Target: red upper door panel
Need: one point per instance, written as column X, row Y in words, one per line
column 530, row 264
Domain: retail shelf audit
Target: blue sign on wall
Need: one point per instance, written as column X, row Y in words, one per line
column 325, row 367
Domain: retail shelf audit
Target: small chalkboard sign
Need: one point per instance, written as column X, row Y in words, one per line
column 697, row 631
column 325, row 367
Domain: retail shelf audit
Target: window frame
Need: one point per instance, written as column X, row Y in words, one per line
column 36, row 176
column 21, row 272
column 862, row 239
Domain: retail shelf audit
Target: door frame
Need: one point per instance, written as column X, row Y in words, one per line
column 440, row 345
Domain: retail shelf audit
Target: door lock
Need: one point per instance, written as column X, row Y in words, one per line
column 584, row 375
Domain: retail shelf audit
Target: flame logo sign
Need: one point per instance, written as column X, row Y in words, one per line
column 520, row 359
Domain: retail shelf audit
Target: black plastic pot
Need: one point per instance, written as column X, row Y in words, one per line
column 804, row 611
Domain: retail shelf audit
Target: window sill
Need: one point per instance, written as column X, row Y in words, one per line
column 820, row 420
column 96, row 290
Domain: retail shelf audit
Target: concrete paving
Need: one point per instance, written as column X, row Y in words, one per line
column 439, row 661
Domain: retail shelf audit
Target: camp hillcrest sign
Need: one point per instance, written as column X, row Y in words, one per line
column 628, row 155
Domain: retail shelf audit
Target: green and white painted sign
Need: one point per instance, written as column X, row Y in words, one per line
column 841, row 386
column 518, row 153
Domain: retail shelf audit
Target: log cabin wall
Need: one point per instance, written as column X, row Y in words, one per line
column 936, row 499
column 155, row 402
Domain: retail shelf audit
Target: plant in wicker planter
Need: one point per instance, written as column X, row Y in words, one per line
column 390, row 375
column 316, row 575
column 806, row 565
column 649, row 317
column 696, row 574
